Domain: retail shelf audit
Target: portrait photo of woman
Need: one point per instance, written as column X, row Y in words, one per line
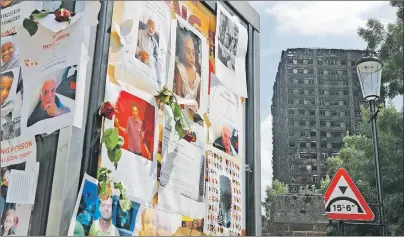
column 9, row 53
column 9, row 223
column 187, row 72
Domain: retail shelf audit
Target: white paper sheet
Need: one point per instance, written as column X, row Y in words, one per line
column 22, row 186
column 14, row 15
column 138, row 18
column 136, row 172
column 182, row 172
column 230, row 51
column 189, row 82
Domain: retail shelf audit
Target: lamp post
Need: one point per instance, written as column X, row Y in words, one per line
column 369, row 69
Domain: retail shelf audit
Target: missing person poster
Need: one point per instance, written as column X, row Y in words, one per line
column 230, row 51
column 135, row 120
column 15, row 217
column 225, row 115
column 189, row 69
column 144, row 32
column 13, row 13
column 182, row 172
column 224, row 198
column 96, row 215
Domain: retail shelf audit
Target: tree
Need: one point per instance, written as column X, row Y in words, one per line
column 388, row 43
column 357, row 157
column 278, row 188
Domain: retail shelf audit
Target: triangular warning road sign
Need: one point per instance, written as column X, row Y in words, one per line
column 343, row 201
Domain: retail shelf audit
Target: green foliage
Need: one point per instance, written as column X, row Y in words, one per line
column 113, row 142
column 167, row 97
column 388, row 43
column 30, row 26
column 324, row 184
column 357, row 157
column 278, row 188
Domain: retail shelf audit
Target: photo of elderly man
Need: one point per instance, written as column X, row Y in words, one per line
column 147, row 44
column 49, row 104
column 224, row 142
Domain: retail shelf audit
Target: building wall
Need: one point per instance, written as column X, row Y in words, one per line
column 316, row 102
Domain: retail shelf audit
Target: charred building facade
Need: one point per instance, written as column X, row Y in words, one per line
column 316, row 102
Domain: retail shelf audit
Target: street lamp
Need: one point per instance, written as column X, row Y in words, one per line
column 369, row 69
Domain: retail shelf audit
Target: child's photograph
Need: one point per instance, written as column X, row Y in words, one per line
column 9, row 53
column 188, row 63
column 53, row 96
column 10, row 101
column 135, row 120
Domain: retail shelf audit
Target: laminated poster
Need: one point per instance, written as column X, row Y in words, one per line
column 144, row 34
column 230, row 51
column 223, row 195
column 189, row 69
column 135, row 121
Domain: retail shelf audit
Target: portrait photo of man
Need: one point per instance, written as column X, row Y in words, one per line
column 147, row 43
column 104, row 226
column 224, row 142
column 49, row 104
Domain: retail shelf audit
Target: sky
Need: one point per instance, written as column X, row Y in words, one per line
column 326, row 24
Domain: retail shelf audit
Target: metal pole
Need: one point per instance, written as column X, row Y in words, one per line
column 376, row 156
column 341, row 228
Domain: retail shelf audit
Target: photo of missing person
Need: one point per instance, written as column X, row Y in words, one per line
column 225, row 139
column 8, row 3
column 10, row 102
column 98, row 216
column 135, row 120
column 9, row 52
column 187, row 72
column 55, row 92
column 8, row 217
column 193, row 224
column 224, row 217
column 148, row 221
column 228, row 41
column 147, row 48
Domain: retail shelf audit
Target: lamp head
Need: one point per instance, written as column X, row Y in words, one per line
column 369, row 69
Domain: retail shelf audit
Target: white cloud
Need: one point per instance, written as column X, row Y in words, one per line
column 328, row 17
column 266, row 154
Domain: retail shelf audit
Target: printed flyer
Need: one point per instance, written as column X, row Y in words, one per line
column 182, row 172
column 224, row 199
column 189, row 70
column 98, row 215
column 15, row 217
column 144, row 33
column 225, row 115
column 49, row 60
column 135, row 121
column 230, row 51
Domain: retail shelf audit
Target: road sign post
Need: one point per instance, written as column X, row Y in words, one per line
column 343, row 201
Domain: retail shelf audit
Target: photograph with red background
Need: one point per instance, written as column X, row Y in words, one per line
column 124, row 106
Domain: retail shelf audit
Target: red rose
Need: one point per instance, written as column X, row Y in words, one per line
column 189, row 136
column 107, row 110
column 63, row 15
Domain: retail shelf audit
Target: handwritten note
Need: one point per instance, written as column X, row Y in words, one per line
column 22, row 187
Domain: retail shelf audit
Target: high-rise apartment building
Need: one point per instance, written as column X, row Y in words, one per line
column 316, row 101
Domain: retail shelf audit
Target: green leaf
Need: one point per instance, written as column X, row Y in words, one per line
column 30, row 26
column 121, row 141
column 102, row 187
column 40, row 15
column 177, row 112
column 112, row 141
column 106, row 135
column 125, row 204
column 179, row 128
column 114, row 156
